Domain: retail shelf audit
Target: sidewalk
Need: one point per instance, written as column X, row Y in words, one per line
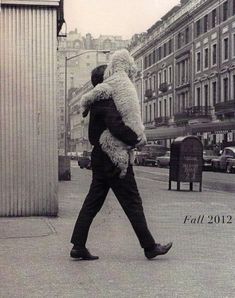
column 34, row 252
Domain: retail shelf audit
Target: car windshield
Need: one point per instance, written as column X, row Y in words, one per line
column 153, row 149
column 209, row 152
column 86, row 153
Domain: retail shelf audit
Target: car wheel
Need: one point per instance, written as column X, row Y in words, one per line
column 214, row 169
column 228, row 169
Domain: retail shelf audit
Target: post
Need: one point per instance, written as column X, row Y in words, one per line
column 65, row 107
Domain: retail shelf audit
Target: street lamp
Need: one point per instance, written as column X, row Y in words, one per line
column 66, row 93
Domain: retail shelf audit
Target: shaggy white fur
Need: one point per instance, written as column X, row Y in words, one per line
column 117, row 84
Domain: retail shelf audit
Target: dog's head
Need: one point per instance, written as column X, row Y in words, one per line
column 121, row 60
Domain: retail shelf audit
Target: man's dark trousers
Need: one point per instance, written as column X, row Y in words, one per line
column 126, row 191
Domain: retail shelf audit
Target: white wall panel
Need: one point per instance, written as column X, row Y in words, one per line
column 28, row 137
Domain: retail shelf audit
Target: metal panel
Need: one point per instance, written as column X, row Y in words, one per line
column 28, row 139
column 31, row 2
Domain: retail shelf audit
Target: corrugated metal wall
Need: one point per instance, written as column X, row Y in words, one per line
column 28, row 139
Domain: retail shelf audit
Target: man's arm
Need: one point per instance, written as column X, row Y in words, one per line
column 115, row 124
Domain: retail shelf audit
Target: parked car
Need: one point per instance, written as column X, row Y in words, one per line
column 223, row 162
column 84, row 161
column 163, row 161
column 230, row 165
column 149, row 153
column 208, row 155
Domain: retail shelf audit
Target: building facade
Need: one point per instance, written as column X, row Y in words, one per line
column 186, row 77
column 28, row 131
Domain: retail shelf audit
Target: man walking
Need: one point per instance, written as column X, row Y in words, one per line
column 105, row 175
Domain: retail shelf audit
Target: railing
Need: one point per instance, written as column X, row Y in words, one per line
column 227, row 105
column 163, row 87
column 159, row 121
column 149, row 93
column 194, row 112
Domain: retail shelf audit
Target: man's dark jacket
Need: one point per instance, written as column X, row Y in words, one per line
column 104, row 115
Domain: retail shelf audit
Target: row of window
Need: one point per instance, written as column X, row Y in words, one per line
column 165, row 109
column 210, row 20
column 205, row 96
column 213, row 53
column 227, row 92
column 158, row 54
column 164, row 76
column 204, row 24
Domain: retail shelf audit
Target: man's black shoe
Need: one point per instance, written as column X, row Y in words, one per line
column 157, row 250
column 82, row 253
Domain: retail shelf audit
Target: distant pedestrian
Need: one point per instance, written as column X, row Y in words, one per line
column 107, row 174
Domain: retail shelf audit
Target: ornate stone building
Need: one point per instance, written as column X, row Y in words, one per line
column 186, row 72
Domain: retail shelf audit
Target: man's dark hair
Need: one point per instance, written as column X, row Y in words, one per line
column 97, row 74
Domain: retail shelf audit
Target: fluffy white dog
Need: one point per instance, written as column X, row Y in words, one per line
column 118, row 85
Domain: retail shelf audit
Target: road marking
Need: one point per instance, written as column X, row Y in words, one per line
column 149, row 179
column 155, row 173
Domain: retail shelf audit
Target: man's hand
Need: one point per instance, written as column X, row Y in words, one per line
column 142, row 141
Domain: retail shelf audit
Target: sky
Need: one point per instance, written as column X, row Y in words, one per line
column 114, row 17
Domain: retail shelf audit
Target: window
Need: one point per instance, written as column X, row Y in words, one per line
column 169, row 74
column 213, row 16
column 206, row 95
column 233, row 49
column 225, row 49
column 154, row 82
column 154, row 110
column 170, row 106
column 225, row 10
column 145, row 62
column 159, row 53
column 150, row 59
column 146, row 113
column 170, row 46
column 205, row 23
column 233, row 7
column 165, row 107
column 198, row 62
column 214, row 54
column 159, row 79
column 179, row 40
column 150, row 113
column 165, row 76
column 150, row 83
column 183, row 72
column 198, row 28
column 206, row 58
column 146, row 84
column 160, row 109
column 198, row 97
column 225, row 87
column 154, row 56
column 187, row 35
column 214, row 92
column 164, row 50
column 234, row 87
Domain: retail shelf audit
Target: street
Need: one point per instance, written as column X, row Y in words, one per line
column 217, row 181
column 35, row 258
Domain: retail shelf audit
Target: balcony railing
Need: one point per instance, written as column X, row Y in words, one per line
column 163, row 87
column 149, row 93
column 159, row 121
column 194, row 113
column 226, row 106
